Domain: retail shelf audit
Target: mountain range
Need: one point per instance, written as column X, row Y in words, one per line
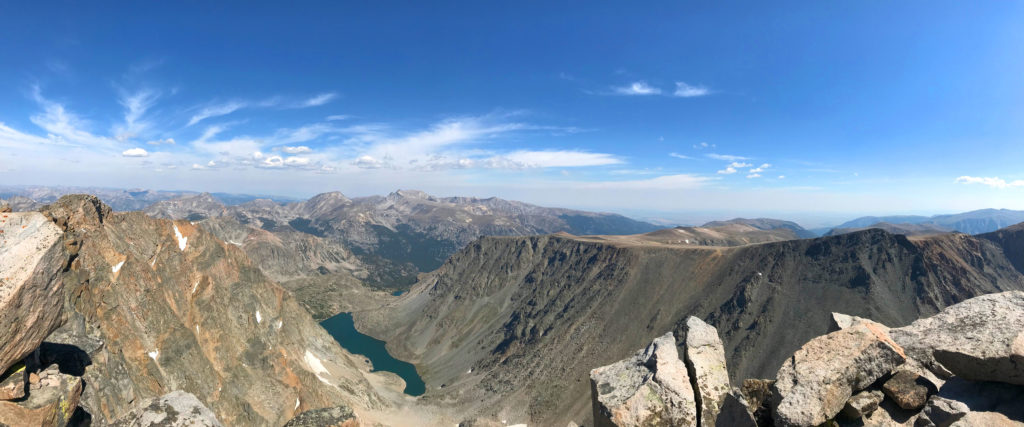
column 509, row 327
column 217, row 304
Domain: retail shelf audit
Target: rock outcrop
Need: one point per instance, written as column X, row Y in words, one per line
column 981, row 339
column 174, row 409
column 651, row 388
column 337, row 416
column 705, row 362
column 815, row 384
column 158, row 306
column 857, row 375
column 32, row 257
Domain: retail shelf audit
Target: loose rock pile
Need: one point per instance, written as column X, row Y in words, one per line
column 961, row 367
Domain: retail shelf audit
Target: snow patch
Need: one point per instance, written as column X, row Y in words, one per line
column 196, row 285
column 182, row 240
column 279, row 323
column 317, row 367
column 470, row 371
column 296, row 404
column 154, row 354
column 259, row 319
column 117, row 267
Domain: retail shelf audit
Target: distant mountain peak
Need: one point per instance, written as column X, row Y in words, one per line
column 411, row 194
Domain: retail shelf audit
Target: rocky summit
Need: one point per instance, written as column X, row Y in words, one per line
column 855, row 376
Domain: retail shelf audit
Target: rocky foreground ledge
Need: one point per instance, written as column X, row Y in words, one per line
column 961, row 367
column 120, row 319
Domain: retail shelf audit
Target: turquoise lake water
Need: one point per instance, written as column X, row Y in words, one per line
column 343, row 329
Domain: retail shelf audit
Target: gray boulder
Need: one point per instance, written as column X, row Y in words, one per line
column 981, row 339
column 174, row 409
column 650, row 388
column 705, row 363
column 815, row 383
column 985, row 419
column 942, row 412
column 862, row 404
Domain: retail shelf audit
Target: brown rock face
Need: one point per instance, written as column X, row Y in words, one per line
column 48, row 406
column 174, row 308
column 907, row 389
column 31, row 289
column 814, row 385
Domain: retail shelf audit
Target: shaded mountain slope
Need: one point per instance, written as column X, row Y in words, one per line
column 510, row 326
column 160, row 306
column 1012, row 240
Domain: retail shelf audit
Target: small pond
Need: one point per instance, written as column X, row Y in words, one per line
column 343, row 329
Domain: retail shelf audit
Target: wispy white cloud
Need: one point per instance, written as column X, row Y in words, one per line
column 637, row 88
column 725, row 157
column 135, row 106
column 296, row 149
column 994, row 182
column 679, row 156
column 11, row 138
column 135, row 152
column 551, row 159
column 217, row 110
column 318, row 100
column 304, row 133
column 337, row 117
column 684, row 90
column 703, row 145
column 63, row 124
column 165, row 141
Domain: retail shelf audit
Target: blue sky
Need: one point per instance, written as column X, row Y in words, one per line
column 673, row 108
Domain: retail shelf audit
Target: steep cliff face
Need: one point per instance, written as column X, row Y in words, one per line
column 163, row 305
column 510, row 326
